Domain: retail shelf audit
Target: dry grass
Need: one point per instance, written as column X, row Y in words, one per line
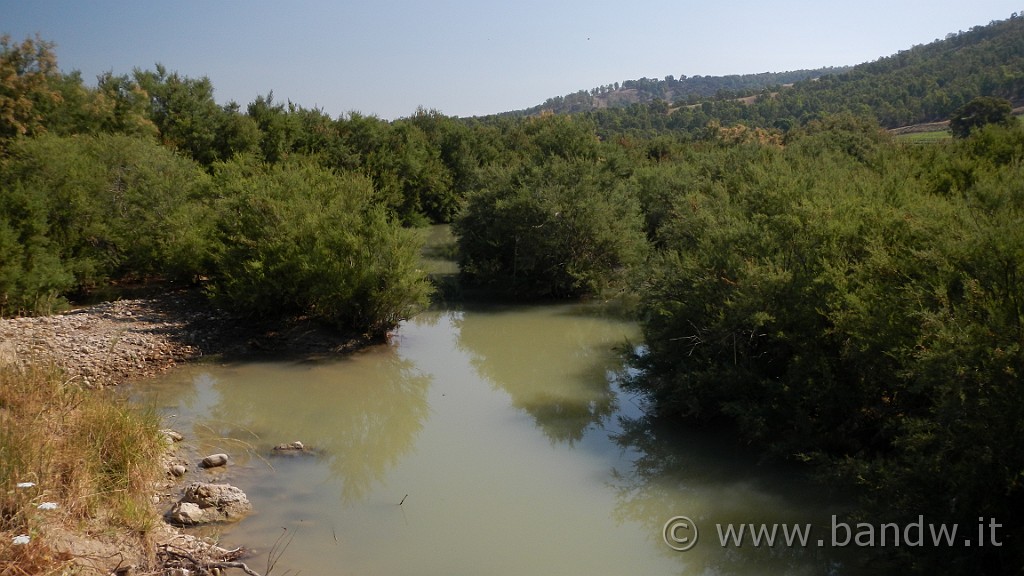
column 88, row 453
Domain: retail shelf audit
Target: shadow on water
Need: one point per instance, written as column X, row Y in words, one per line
column 705, row 475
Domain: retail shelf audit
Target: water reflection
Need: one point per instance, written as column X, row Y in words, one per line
column 505, row 435
column 359, row 415
column 555, row 368
column 704, row 475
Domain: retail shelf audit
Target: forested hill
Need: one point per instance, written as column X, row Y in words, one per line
column 924, row 83
column 671, row 89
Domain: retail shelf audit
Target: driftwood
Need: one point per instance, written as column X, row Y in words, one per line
column 205, row 559
column 175, row 557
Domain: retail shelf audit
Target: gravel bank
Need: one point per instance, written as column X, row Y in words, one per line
column 123, row 340
column 113, row 342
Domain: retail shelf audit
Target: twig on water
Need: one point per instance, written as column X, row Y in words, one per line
column 278, row 549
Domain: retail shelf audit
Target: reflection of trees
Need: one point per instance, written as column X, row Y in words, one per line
column 552, row 361
column 360, row 414
column 703, row 475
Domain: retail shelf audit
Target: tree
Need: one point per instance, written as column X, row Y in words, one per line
column 981, row 111
column 129, row 106
column 26, row 71
column 185, row 112
column 274, row 125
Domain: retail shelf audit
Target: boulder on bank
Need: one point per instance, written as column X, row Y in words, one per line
column 204, row 503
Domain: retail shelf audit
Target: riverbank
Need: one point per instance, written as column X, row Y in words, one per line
column 84, row 477
column 112, row 342
column 116, row 342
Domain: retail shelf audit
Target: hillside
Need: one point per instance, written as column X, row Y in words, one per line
column 925, row 83
column 671, row 89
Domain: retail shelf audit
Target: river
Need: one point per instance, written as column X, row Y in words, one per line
column 479, row 440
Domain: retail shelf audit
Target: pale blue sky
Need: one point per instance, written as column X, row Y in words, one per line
column 465, row 58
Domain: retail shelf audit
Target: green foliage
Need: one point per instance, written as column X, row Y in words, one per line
column 413, row 173
column 78, row 211
column 835, row 303
column 980, row 111
column 189, row 120
column 298, row 239
column 565, row 228
column 26, row 71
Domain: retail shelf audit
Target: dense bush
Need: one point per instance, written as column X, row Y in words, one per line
column 297, row 239
column 565, row 228
column 830, row 302
column 979, row 112
column 78, row 211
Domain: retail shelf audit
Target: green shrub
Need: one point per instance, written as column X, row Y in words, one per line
column 566, row 228
column 76, row 212
column 297, row 239
column 839, row 306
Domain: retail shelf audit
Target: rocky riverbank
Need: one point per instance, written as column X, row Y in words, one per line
column 115, row 342
column 128, row 340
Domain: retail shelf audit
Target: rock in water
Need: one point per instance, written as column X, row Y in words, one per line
column 214, row 460
column 291, row 446
column 203, row 503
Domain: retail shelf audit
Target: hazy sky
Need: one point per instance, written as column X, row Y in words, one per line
column 465, row 58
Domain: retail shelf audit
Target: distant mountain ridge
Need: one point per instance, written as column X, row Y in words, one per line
column 925, row 83
column 688, row 89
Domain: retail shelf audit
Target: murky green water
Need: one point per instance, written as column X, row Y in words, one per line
column 479, row 441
